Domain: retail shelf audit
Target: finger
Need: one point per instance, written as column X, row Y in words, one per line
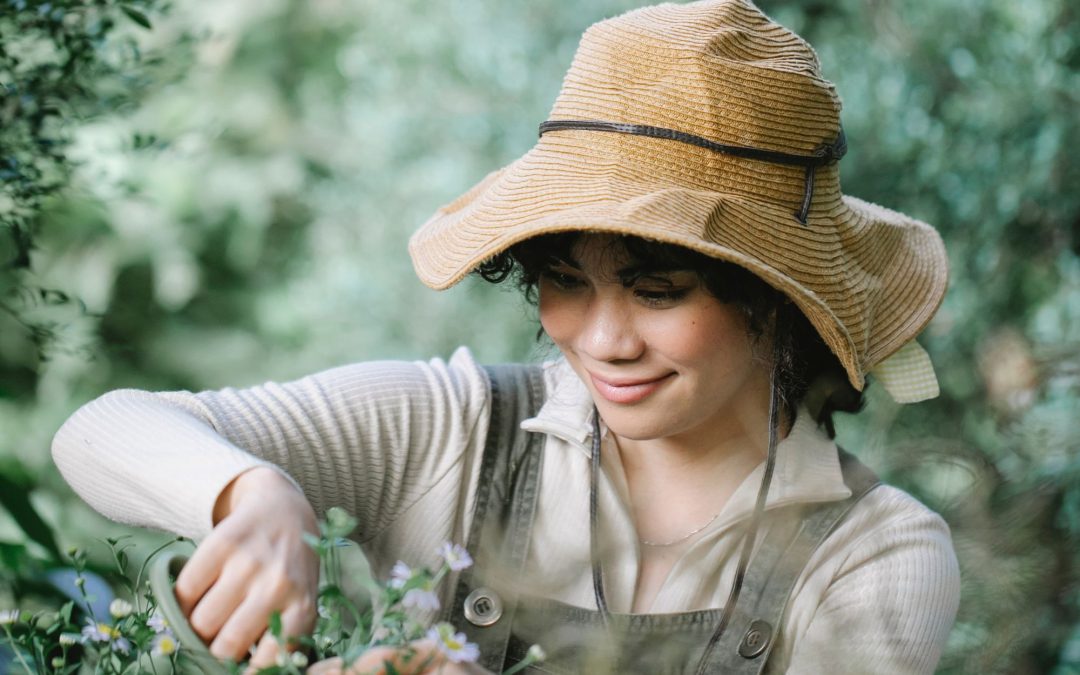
column 200, row 573
column 418, row 657
column 373, row 661
column 265, row 653
column 424, row 658
column 295, row 623
column 249, row 621
column 224, row 597
column 327, row 667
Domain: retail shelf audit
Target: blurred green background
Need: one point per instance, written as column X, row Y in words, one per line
column 220, row 193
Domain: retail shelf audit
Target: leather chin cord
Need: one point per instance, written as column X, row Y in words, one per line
column 750, row 535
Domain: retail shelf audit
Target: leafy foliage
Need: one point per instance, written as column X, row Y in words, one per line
column 60, row 62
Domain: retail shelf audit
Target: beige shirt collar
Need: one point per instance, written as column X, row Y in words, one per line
column 807, row 463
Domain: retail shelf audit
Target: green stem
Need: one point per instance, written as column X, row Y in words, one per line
column 376, row 620
column 80, row 581
column 439, row 575
column 142, row 568
column 18, row 652
column 520, row 665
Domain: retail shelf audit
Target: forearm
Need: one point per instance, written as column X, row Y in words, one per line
column 138, row 460
column 372, row 438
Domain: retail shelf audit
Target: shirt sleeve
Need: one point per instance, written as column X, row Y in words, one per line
column 890, row 590
column 370, row 437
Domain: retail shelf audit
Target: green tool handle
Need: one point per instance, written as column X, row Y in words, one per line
column 162, row 572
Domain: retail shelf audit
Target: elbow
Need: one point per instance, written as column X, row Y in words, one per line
column 82, row 440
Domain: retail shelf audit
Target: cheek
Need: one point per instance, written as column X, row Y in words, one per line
column 707, row 337
column 557, row 317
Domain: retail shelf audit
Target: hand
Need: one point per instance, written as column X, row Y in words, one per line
column 254, row 562
column 421, row 658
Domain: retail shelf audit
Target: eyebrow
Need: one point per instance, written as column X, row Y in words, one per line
column 568, row 261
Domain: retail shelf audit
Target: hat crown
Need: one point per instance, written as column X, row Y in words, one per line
column 719, row 69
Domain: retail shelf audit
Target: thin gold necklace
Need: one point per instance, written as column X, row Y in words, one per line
column 662, row 544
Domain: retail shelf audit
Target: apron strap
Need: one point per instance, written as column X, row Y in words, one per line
column 485, row 599
column 745, row 646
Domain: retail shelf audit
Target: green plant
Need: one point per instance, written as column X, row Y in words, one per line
column 141, row 635
column 132, row 638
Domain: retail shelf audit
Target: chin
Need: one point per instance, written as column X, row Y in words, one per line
column 635, row 425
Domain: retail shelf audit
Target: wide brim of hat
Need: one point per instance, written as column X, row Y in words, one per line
column 868, row 278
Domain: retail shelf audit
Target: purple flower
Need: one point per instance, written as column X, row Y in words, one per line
column 157, row 623
column 455, row 556
column 423, row 598
column 98, row 632
column 454, row 646
column 103, row 632
column 400, row 575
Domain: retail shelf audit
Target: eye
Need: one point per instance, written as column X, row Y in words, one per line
column 562, row 280
column 664, row 297
column 661, row 290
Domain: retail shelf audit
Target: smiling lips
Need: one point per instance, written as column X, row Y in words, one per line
column 627, row 391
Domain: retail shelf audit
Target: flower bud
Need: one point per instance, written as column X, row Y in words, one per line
column 536, row 653
column 120, row 608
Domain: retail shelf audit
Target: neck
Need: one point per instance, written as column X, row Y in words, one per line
column 679, row 481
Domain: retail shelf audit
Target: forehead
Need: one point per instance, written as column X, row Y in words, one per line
column 615, row 255
column 600, row 251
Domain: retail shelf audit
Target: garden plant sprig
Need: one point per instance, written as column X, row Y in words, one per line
column 134, row 639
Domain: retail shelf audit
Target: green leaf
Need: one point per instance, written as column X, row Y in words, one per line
column 136, row 16
column 16, row 499
column 317, row 543
column 12, row 556
column 275, row 625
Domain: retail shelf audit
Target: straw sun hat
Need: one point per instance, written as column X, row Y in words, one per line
column 709, row 126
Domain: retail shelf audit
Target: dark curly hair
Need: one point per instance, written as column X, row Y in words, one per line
column 806, row 370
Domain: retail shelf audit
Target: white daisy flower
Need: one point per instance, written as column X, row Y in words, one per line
column 454, row 646
column 165, row 644
column 455, row 556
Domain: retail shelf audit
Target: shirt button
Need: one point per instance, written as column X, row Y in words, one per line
column 483, row 607
column 756, row 639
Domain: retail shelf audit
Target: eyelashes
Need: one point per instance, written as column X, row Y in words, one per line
column 564, row 282
column 668, row 296
column 653, row 291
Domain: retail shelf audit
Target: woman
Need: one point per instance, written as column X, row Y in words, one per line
column 665, row 497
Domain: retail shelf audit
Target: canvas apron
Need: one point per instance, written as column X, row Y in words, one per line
column 489, row 609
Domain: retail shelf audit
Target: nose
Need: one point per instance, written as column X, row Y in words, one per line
column 609, row 332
